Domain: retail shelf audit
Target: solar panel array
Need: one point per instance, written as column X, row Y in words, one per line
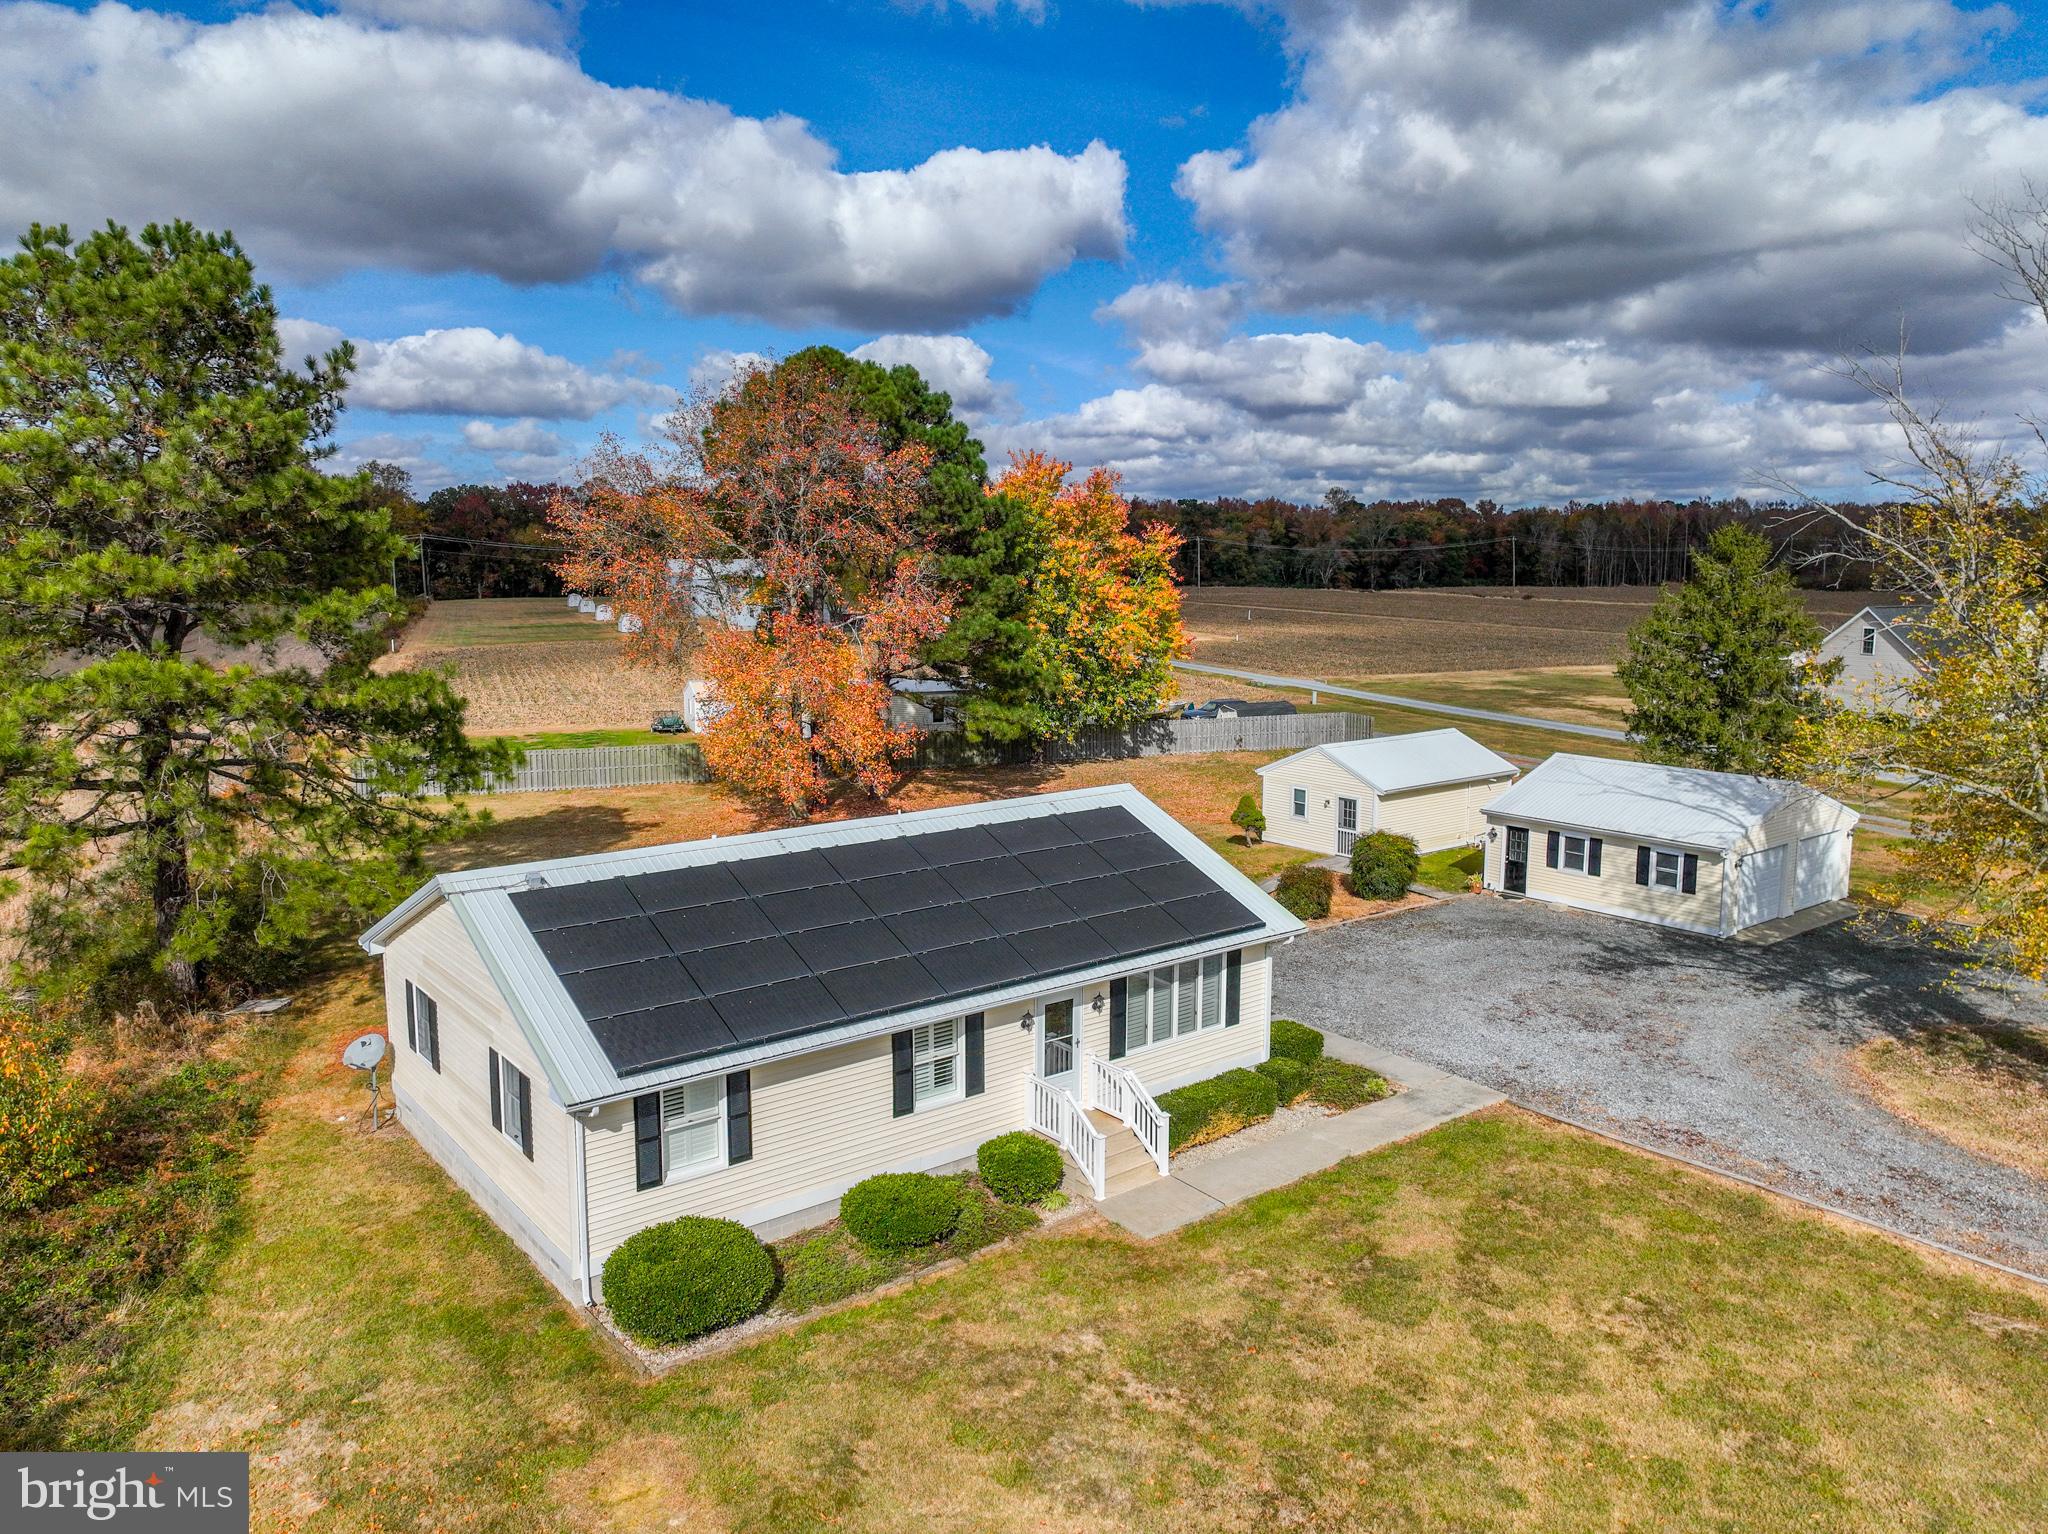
column 674, row 966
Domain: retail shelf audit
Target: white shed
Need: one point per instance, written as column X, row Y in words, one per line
column 1433, row 786
column 1710, row 852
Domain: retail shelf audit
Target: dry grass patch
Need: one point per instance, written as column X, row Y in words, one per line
column 1984, row 1088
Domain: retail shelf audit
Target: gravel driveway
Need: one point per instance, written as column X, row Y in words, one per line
column 1730, row 1054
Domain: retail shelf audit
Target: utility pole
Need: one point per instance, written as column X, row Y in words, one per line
column 1514, row 562
column 1198, row 563
column 425, row 593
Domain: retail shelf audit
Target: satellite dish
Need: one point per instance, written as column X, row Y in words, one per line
column 365, row 1052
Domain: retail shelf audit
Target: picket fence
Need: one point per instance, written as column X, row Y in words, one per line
column 554, row 769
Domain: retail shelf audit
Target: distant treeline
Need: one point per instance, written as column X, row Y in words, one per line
column 472, row 540
column 1380, row 545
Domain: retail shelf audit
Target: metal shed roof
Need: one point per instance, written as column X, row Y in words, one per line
column 578, row 1066
column 1685, row 806
column 1392, row 764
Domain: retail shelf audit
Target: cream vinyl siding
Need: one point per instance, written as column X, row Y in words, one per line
column 1449, row 815
column 823, row 1121
column 436, row 955
column 1615, row 891
column 1325, row 781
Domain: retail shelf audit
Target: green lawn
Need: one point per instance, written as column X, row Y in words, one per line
column 1500, row 1325
column 1531, row 742
column 551, row 740
column 1579, row 694
column 1454, row 868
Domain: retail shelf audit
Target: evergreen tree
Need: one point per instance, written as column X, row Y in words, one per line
column 1714, row 673
column 188, row 612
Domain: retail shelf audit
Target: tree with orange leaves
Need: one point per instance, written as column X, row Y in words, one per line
column 777, row 507
column 1103, row 609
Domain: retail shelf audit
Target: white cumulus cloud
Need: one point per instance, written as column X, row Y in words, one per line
column 955, row 364
column 468, row 370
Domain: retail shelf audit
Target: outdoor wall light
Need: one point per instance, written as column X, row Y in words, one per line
column 1024, row 1022
column 1097, row 1002
column 1493, row 833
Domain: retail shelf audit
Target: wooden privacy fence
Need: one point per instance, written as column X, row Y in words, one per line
column 550, row 770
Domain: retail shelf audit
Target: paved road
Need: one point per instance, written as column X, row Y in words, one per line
column 1391, row 700
column 1733, row 1055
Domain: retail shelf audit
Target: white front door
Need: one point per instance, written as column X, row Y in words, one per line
column 1823, row 868
column 1760, row 887
column 1347, row 824
column 1058, row 1045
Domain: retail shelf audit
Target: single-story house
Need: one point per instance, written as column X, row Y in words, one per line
column 1710, row 852
column 1432, row 786
column 924, row 703
column 747, row 1026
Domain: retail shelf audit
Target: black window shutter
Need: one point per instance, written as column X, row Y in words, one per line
column 977, row 1077
column 1593, row 857
column 1642, row 865
column 1550, row 851
column 434, row 1032
column 1233, row 985
column 647, row 1138
column 899, row 1048
column 412, row 1027
column 497, row 1107
column 1690, row 882
column 739, row 1116
column 526, row 1114
column 1119, row 1002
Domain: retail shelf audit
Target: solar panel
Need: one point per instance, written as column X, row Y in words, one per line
column 571, row 905
column 799, row 910
column 783, row 871
column 1057, row 865
column 1033, row 834
column 680, row 887
column 776, row 1011
column 713, row 926
column 858, row 942
column 989, row 876
column 596, row 944
column 1067, row 946
column 629, row 987
column 1092, row 897
column 964, row 844
column 1022, row 910
column 1142, row 929
column 869, row 990
column 1127, row 854
column 912, row 890
column 969, row 967
column 646, row 1041
column 865, row 860
column 740, row 966
column 1100, row 825
column 1172, row 881
column 1210, row 915
column 940, row 927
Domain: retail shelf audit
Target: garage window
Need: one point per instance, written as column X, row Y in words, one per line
column 1666, row 868
column 1572, row 856
column 1301, row 804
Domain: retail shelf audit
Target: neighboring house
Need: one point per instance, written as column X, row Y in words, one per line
column 1238, row 708
column 924, row 703
column 747, row 1026
column 1433, row 786
column 700, row 704
column 718, row 590
column 1710, row 852
column 1881, row 651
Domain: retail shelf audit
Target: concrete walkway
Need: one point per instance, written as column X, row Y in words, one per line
column 1429, row 1097
column 1812, row 919
column 1392, row 700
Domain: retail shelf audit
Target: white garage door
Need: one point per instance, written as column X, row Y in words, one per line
column 1823, row 868
column 1760, row 887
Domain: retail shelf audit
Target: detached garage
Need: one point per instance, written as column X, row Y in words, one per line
column 1710, row 852
column 1432, row 786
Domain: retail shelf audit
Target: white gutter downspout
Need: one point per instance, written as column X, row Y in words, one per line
column 582, row 1209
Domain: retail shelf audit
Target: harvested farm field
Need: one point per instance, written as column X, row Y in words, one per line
column 1353, row 634
column 530, row 665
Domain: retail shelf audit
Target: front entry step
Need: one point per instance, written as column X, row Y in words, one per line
column 1127, row 1164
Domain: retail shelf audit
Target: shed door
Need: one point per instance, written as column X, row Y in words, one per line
column 1760, row 887
column 1823, row 868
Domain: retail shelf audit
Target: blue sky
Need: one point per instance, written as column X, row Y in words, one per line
column 1414, row 247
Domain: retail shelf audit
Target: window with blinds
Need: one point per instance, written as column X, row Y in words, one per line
column 935, row 1061
column 1173, row 1002
column 690, row 1125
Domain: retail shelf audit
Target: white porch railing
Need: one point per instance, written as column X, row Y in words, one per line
column 1116, row 1089
column 1058, row 1116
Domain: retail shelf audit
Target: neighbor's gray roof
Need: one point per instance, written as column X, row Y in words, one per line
column 1390, row 764
column 1683, row 806
column 577, row 1069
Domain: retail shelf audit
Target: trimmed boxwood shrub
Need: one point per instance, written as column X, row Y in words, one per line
column 1304, row 890
column 1340, row 1084
column 1296, row 1041
column 895, row 1211
column 1290, row 1077
column 1019, row 1167
column 1208, row 1110
column 683, row 1278
column 1383, row 865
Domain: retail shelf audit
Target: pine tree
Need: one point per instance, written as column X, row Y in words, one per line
column 188, row 612
column 1715, row 673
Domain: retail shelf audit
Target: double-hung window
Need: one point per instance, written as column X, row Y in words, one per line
column 935, row 1074
column 692, row 1127
column 1572, row 854
column 1173, row 1002
column 423, row 1025
column 1870, row 641
column 514, row 1095
column 1667, row 868
column 1301, row 804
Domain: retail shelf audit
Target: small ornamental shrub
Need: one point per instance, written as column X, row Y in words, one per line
column 1019, row 1167
column 1289, row 1077
column 50, row 1120
column 1304, row 891
column 1208, row 1110
column 681, row 1279
column 1295, row 1041
column 1249, row 818
column 1383, row 865
column 1339, row 1084
column 896, row 1211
